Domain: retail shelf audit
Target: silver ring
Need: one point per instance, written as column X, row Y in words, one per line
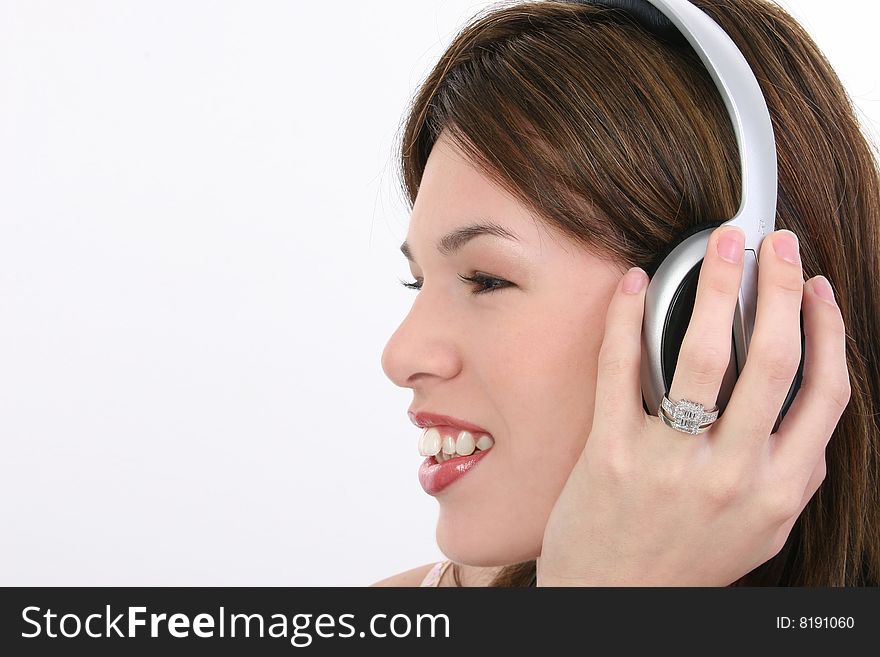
column 686, row 416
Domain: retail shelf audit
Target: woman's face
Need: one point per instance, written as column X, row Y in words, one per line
column 518, row 361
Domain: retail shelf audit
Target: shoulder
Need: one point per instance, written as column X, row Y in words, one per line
column 411, row 577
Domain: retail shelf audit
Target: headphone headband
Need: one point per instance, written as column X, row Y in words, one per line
column 648, row 16
column 669, row 299
column 740, row 92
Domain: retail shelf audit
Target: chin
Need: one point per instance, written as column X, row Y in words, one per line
column 477, row 541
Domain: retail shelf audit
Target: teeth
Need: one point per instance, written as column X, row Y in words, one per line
column 429, row 443
column 443, row 448
column 465, row 443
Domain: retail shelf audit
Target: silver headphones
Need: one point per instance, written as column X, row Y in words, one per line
column 672, row 290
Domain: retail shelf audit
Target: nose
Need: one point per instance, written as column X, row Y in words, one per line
column 424, row 346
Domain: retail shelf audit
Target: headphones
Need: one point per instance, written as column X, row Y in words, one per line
column 671, row 293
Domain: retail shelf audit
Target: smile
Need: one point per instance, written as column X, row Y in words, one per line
column 445, row 443
column 452, row 453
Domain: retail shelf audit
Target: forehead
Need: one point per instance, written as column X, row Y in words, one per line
column 454, row 192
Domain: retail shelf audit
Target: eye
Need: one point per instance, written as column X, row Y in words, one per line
column 484, row 283
column 415, row 285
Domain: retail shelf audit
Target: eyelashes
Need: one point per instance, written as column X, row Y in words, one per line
column 483, row 284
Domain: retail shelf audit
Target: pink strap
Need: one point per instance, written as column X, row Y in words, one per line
column 436, row 572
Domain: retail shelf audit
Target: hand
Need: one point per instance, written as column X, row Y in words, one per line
column 646, row 505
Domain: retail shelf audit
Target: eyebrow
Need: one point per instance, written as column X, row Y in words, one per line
column 454, row 240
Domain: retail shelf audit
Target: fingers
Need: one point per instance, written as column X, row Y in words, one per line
column 705, row 348
column 775, row 348
column 824, row 391
column 618, row 388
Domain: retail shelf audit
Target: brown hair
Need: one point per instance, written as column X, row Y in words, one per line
column 621, row 141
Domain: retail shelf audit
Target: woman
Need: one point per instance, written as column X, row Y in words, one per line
column 555, row 147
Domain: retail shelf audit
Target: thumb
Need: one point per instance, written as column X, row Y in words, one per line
column 618, row 387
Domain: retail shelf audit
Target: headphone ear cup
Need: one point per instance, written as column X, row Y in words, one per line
column 652, row 267
column 678, row 319
column 670, row 301
column 675, row 319
column 796, row 382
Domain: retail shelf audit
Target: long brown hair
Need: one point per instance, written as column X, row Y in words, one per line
column 620, row 140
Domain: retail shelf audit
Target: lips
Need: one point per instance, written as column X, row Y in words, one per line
column 434, row 477
column 423, row 419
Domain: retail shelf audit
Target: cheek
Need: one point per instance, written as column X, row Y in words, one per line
column 543, row 383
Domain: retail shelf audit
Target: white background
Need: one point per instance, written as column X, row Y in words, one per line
column 199, row 231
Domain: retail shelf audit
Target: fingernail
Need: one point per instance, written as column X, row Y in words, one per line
column 785, row 243
column 730, row 245
column 822, row 288
column 634, row 281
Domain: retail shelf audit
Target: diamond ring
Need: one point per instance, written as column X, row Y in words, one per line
column 686, row 416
